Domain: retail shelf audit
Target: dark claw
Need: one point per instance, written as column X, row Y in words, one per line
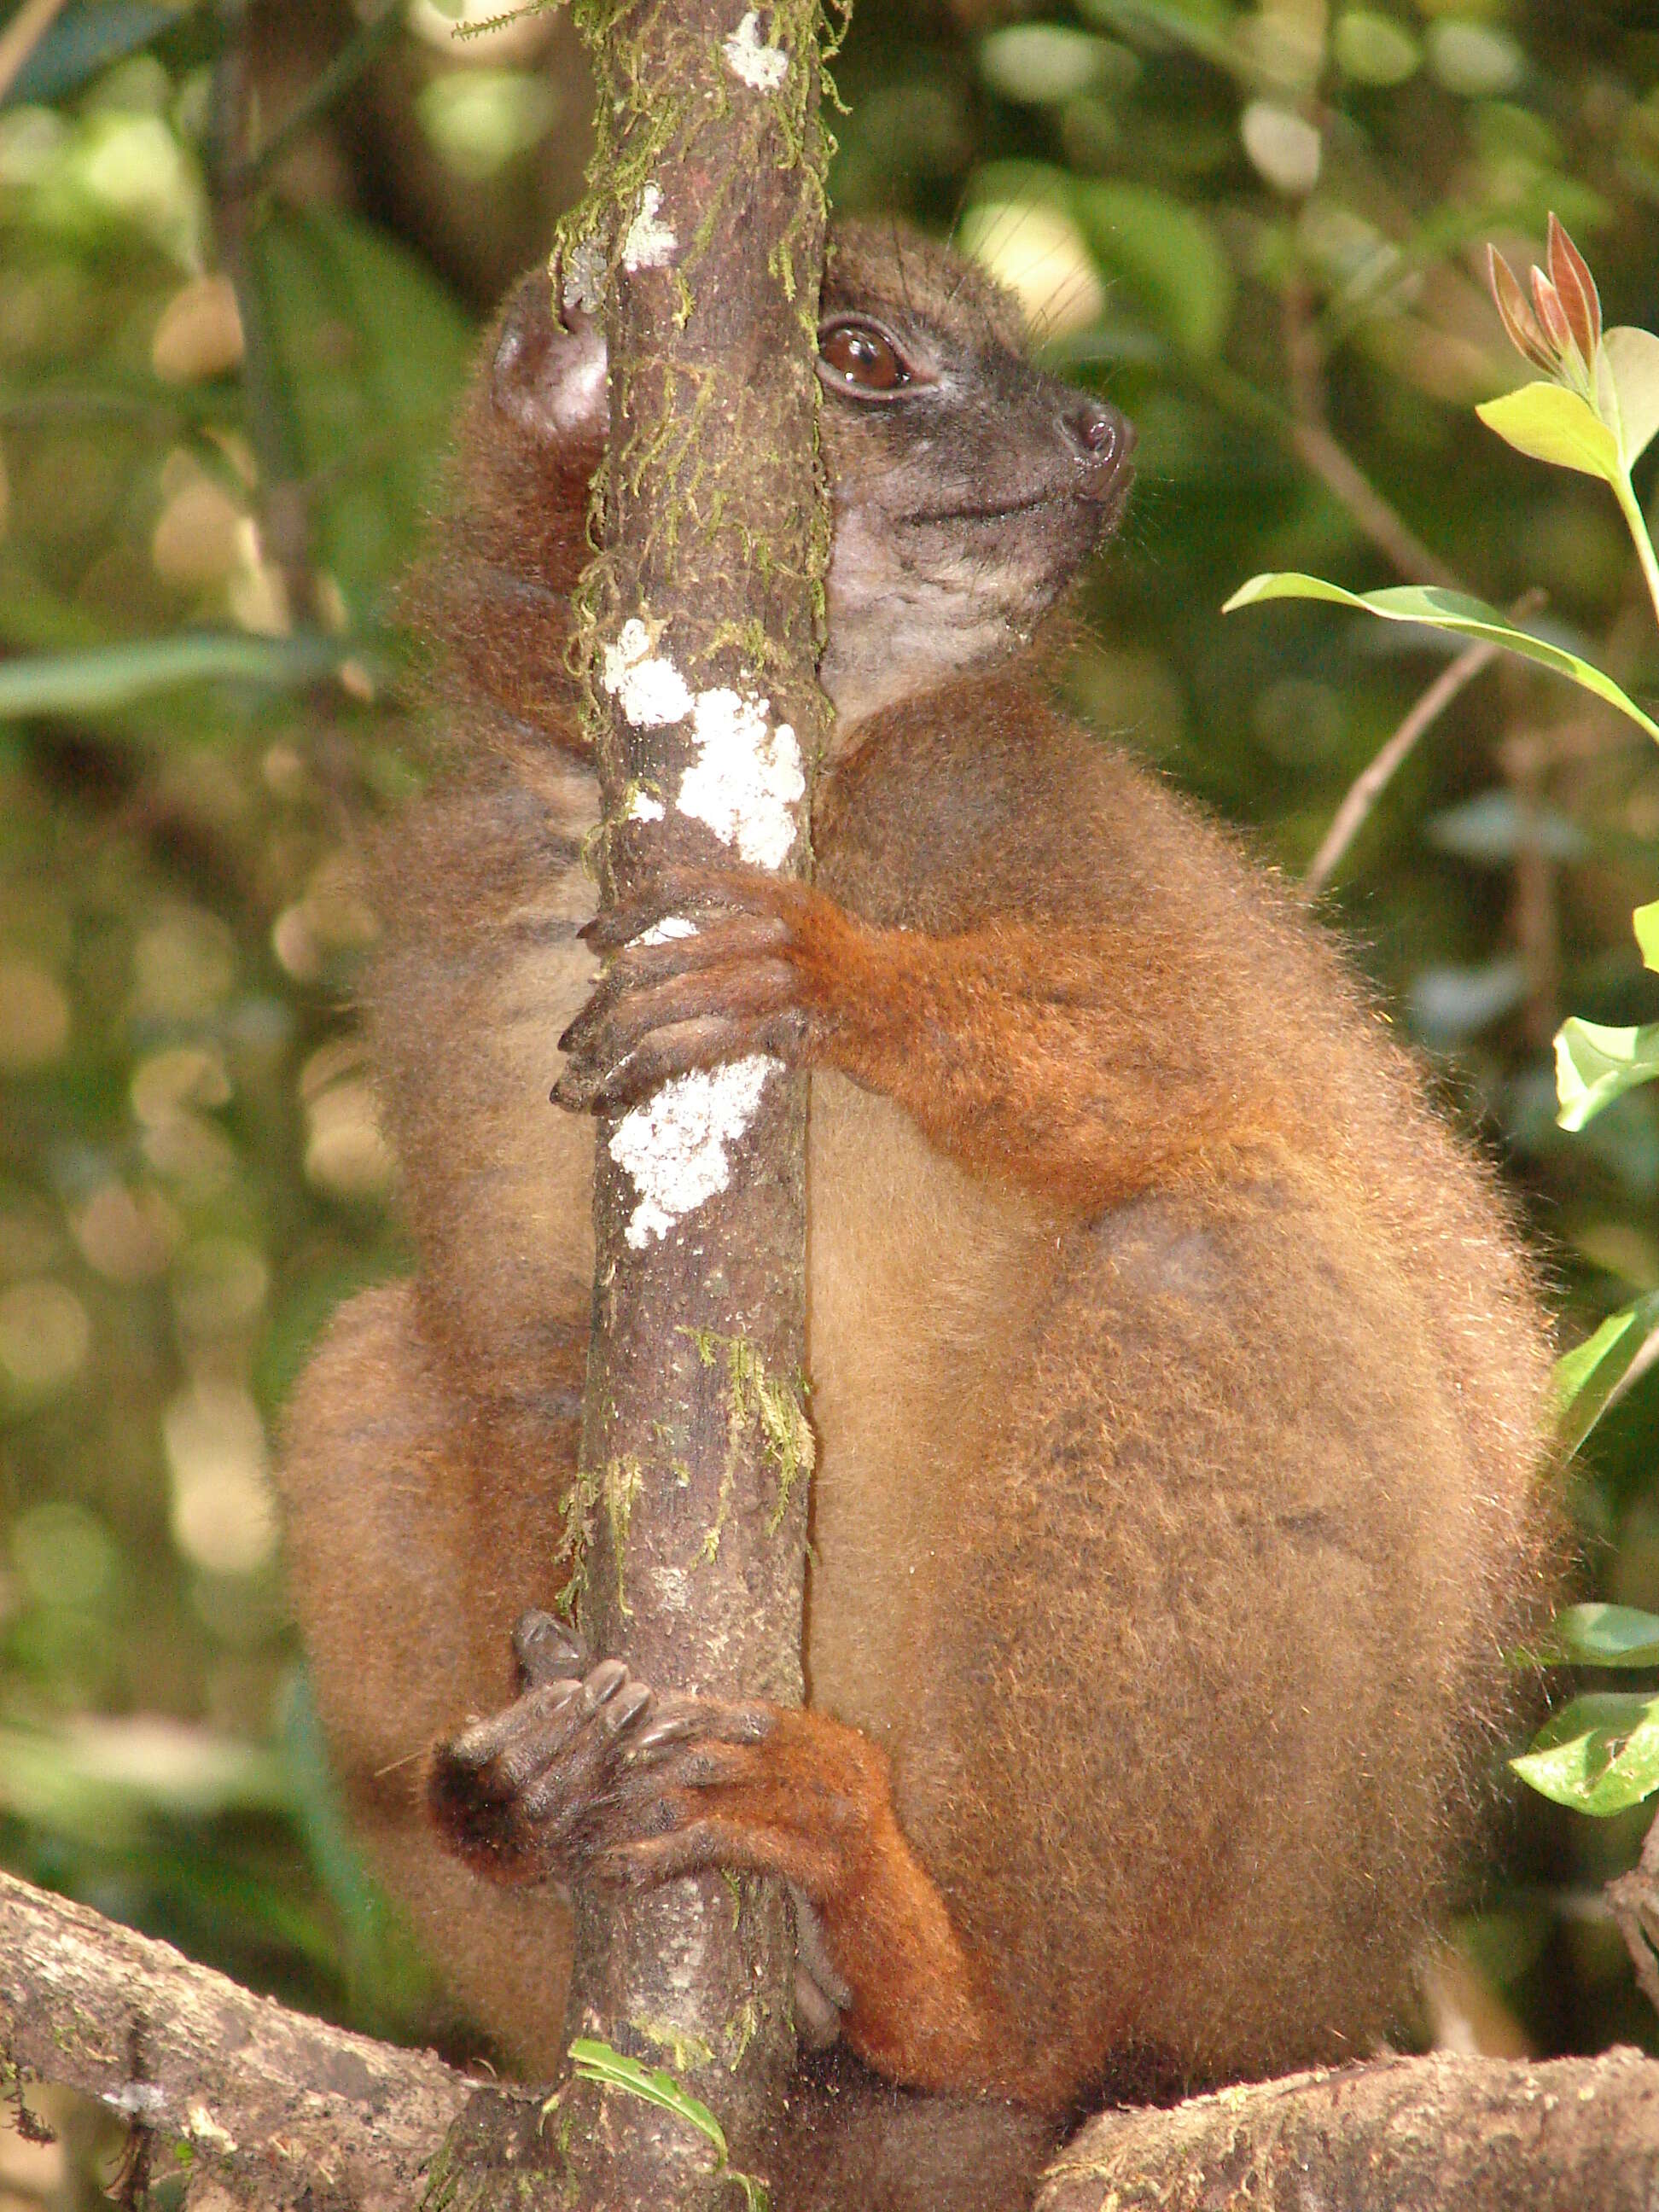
column 688, row 891
column 602, row 1684
column 545, row 1649
column 668, row 1728
column 485, row 1739
column 622, row 1712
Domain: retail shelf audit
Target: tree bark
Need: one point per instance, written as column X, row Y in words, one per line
column 1401, row 2134
column 281, row 2110
column 278, row 2105
column 703, row 245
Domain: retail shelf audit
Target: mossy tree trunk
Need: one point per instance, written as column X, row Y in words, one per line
column 703, row 246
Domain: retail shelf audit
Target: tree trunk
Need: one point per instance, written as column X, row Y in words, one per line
column 687, row 1537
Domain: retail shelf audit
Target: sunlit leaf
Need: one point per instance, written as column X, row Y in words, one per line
column 1599, row 1636
column 1446, row 610
column 99, row 1775
column 592, row 2061
column 114, row 675
column 1043, row 64
column 1632, row 357
column 1282, row 145
column 1594, row 1064
column 1475, row 59
column 1598, row 1754
column 1035, row 248
column 1552, row 424
column 1645, row 922
column 1202, row 25
column 1373, row 48
column 1587, row 1377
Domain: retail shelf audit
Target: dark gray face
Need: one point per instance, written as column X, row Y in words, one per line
column 969, row 486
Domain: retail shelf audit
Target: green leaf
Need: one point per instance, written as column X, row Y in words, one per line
column 1600, row 1754
column 109, row 676
column 1586, row 1378
column 1600, row 1636
column 1453, row 611
column 615, row 2069
column 86, row 40
column 1373, row 48
column 1167, row 255
column 1203, row 25
column 1632, row 357
column 1594, row 1064
column 1552, row 424
column 1645, row 922
column 372, row 353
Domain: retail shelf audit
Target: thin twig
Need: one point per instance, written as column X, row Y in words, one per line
column 1369, row 786
column 21, row 36
column 245, row 174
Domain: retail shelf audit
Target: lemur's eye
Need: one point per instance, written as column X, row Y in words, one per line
column 860, row 358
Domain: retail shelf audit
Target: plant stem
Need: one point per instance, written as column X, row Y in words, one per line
column 1630, row 507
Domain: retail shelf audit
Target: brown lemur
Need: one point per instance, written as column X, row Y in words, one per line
column 1177, row 1382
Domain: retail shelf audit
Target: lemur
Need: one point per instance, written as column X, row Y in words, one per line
column 1178, row 1382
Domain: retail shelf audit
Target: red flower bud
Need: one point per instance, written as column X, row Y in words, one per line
column 1515, row 315
column 1576, row 288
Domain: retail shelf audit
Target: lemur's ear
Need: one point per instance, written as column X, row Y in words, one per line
column 549, row 377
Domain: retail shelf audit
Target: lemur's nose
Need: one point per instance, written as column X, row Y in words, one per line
column 1100, row 436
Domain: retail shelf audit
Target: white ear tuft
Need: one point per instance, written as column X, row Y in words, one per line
column 549, row 377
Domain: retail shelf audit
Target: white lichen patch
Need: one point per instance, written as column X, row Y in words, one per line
column 676, row 1147
column 746, row 778
column 665, row 931
column 138, row 2101
column 650, row 243
column 762, row 68
column 651, row 689
column 641, row 807
column 582, row 277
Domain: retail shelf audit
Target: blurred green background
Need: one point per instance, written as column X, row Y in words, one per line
column 1259, row 224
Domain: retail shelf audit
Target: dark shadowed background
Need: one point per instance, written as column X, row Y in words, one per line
column 1260, row 224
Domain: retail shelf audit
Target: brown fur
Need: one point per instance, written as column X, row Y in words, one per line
column 1177, row 1382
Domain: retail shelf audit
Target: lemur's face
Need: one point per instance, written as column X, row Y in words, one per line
column 968, row 486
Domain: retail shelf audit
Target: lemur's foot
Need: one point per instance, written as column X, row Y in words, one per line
column 589, row 1771
column 713, row 965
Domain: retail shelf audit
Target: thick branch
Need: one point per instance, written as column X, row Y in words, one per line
column 1481, row 2134
column 288, row 2108
column 283, row 2106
